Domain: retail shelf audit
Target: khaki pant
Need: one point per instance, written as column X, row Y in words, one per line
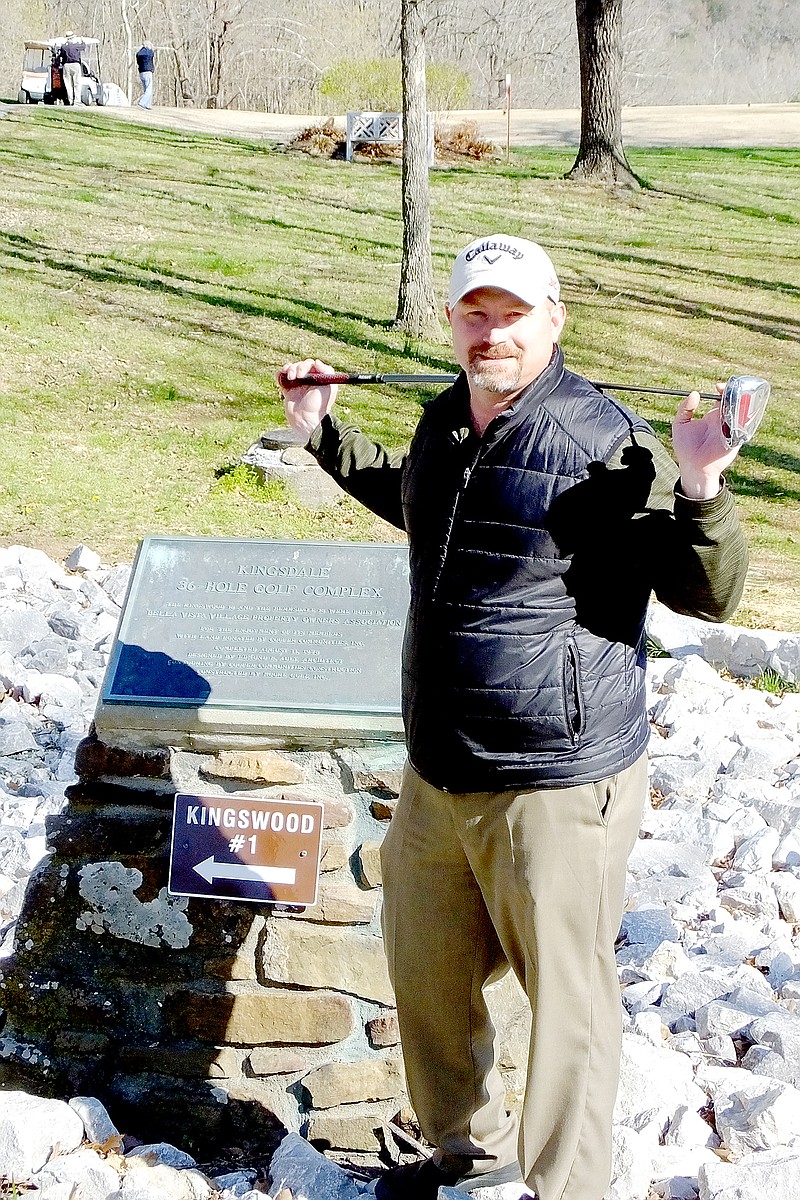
column 73, row 81
column 473, row 883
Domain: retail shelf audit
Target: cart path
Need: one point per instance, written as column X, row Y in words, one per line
column 732, row 125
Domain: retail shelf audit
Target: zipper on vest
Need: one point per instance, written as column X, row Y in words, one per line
column 456, row 501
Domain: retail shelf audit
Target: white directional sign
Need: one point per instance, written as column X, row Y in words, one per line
column 246, row 848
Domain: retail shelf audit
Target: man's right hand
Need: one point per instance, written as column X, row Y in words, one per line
column 306, row 406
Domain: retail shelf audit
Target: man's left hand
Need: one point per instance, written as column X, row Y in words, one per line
column 700, row 448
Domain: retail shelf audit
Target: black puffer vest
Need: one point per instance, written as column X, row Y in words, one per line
column 503, row 686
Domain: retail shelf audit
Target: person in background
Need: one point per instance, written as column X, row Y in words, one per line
column 145, row 65
column 72, row 66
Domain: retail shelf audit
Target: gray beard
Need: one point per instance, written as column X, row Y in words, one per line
column 500, row 375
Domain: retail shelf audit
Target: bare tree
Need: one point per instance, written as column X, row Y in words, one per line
column 261, row 54
column 128, row 47
column 601, row 156
column 416, row 303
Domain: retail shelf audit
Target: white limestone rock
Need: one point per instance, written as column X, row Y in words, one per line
column 719, row 1017
column 640, row 996
column 754, row 853
column 83, row 1173
column 687, row 1128
column 682, row 776
column 787, row 892
column 787, row 852
column 82, row 559
column 761, row 1061
column 648, row 1024
column 753, row 1177
column 13, row 853
column 68, row 623
column 236, row 1184
column 652, row 1078
column 16, row 737
column 666, row 961
column 753, row 1112
column 678, row 635
column 652, row 856
column 719, row 1048
column 781, row 809
column 163, row 1153
column 695, row 678
column 751, row 895
column 762, row 758
column 43, row 688
column 20, row 628
column 114, row 581
column 673, row 890
column 304, row 1171
column 648, row 927
column 160, row 1182
column 32, row 1129
column 780, row 1031
column 693, row 990
column 631, row 1164
column 714, row 839
column 97, row 1123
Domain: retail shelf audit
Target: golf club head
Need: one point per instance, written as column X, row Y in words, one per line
column 742, row 407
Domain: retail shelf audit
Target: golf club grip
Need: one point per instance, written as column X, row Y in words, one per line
column 321, row 379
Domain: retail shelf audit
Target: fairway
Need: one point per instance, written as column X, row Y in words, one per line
column 154, row 281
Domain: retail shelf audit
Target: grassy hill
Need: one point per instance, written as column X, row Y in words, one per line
column 154, row 281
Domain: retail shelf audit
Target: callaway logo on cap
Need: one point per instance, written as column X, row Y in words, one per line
column 510, row 263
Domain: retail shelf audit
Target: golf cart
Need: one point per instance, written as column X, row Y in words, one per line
column 42, row 80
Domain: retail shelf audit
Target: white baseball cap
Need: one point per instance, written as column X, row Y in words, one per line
column 511, row 263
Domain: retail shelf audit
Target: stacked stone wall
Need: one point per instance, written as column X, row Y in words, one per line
column 213, row 1020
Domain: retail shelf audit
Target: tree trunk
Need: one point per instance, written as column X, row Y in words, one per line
column 416, row 303
column 129, row 49
column 601, row 155
column 181, row 66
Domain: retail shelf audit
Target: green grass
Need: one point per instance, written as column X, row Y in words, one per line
column 770, row 681
column 154, row 281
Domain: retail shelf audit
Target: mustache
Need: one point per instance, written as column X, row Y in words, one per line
column 492, row 352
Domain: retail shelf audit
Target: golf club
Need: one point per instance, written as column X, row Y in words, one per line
column 742, row 403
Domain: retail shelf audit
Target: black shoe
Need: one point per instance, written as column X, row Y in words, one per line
column 414, row 1181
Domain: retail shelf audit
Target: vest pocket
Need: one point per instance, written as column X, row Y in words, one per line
column 574, row 706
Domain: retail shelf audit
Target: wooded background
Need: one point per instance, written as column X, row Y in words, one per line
column 261, row 54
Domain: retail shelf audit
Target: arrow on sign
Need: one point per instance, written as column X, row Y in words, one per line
column 211, row 870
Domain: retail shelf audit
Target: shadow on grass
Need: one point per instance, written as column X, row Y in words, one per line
column 743, row 318
column 240, row 216
column 108, row 127
column 726, row 277
column 318, row 319
column 727, row 206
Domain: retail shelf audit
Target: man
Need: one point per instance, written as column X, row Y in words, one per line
column 540, row 514
column 145, row 65
column 72, row 66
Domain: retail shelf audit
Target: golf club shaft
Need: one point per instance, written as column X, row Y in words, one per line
column 656, row 391
column 321, row 379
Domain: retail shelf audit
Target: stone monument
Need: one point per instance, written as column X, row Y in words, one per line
column 176, row 956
